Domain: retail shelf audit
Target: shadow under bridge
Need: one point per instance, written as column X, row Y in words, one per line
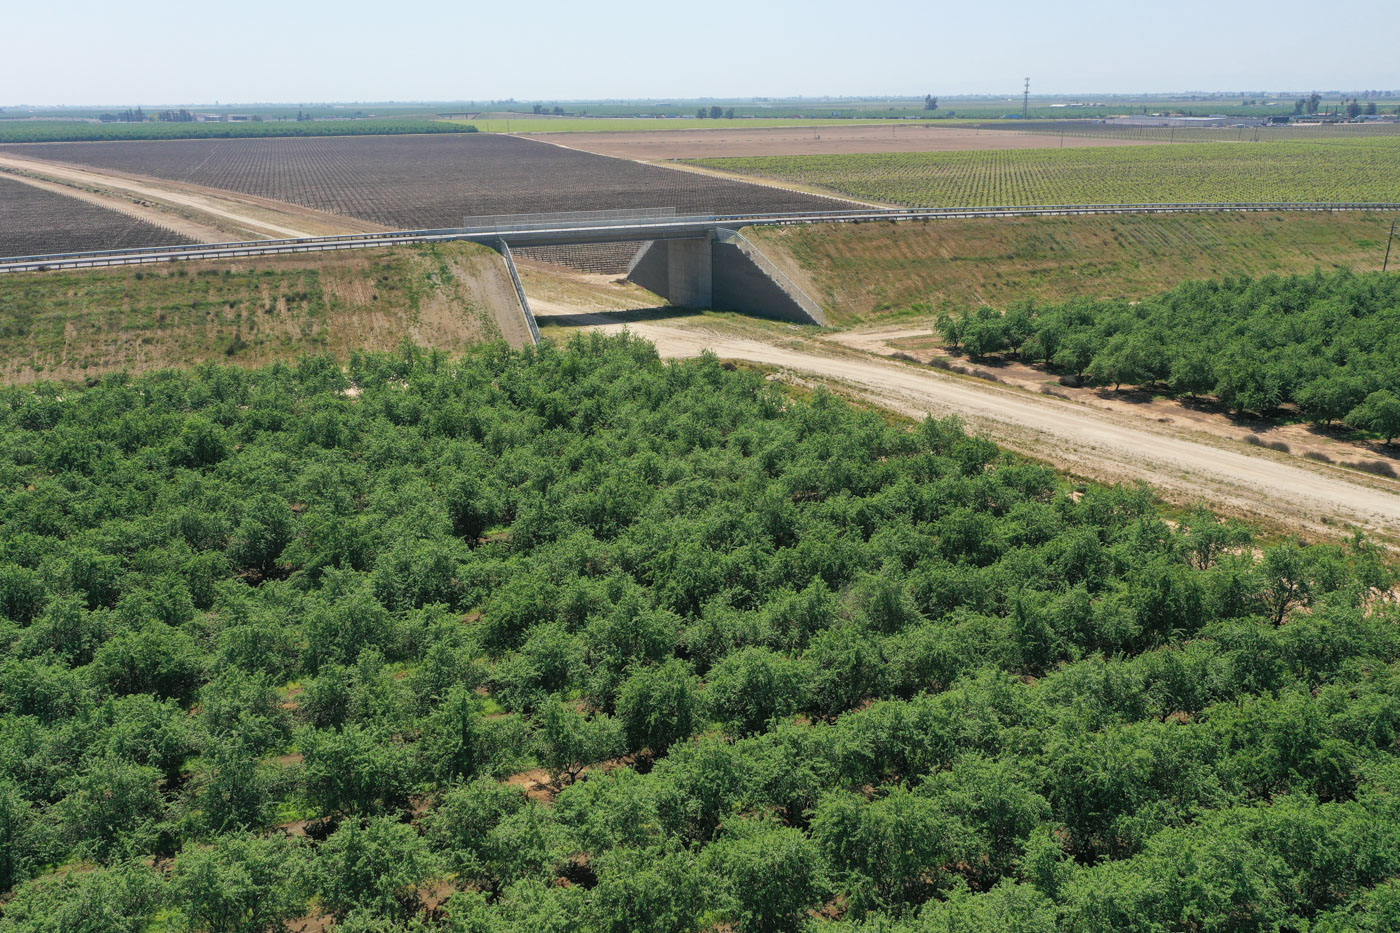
column 693, row 261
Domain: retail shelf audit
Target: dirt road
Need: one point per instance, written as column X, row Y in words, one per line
column 186, row 227
column 1184, row 465
column 903, row 341
column 222, row 215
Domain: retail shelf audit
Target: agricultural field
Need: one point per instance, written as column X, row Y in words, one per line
column 711, row 143
column 1335, row 170
column 578, row 639
column 38, row 131
column 869, row 273
column 528, row 124
column 424, row 181
column 1071, row 130
column 1321, row 347
column 84, row 324
column 981, row 107
column 35, row 221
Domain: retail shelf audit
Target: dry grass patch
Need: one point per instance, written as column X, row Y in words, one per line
column 870, row 271
column 73, row 325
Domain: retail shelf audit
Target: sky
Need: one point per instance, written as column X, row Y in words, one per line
column 151, row 52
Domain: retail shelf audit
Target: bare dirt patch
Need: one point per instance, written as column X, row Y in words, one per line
column 535, row 783
column 312, row 923
column 658, row 145
column 555, row 290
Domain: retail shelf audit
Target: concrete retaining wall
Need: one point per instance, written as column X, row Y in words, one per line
column 728, row 273
column 504, row 250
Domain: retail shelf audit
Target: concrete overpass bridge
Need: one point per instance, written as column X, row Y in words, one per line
column 694, row 261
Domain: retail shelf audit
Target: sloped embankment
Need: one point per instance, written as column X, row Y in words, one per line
column 71, row 325
column 866, row 272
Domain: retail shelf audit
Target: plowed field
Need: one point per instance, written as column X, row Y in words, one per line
column 37, row 221
column 423, row 181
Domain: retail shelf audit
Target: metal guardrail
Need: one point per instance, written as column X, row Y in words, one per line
column 602, row 224
column 504, row 249
column 639, row 228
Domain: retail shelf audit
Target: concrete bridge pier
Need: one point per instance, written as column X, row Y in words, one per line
column 690, row 273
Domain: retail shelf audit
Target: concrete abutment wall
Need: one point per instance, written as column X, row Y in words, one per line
column 724, row 272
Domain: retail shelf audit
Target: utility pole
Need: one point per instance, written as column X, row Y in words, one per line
column 1026, row 100
column 1386, row 265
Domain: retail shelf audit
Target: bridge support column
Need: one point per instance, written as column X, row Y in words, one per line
column 690, row 282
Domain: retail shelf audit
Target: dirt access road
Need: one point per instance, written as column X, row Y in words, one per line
column 207, row 215
column 660, row 145
column 920, row 342
column 1185, row 466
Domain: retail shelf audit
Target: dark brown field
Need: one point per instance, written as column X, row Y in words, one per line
column 36, row 221
column 424, row 181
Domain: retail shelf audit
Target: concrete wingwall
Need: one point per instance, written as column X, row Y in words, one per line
column 529, row 316
column 723, row 273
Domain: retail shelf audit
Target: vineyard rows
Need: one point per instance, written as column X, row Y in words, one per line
column 1335, row 170
column 36, row 221
column 426, row 181
column 1205, row 134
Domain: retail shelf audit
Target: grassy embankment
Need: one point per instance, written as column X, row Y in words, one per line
column 866, row 272
column 69, row 325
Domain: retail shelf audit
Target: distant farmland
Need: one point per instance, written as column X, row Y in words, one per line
column 1122, row 130
column 1333, row 170
column 424, row 181
column 529, row 124
column 879, row 272
column 38, row 131
column 37, row 221
column 709, row 143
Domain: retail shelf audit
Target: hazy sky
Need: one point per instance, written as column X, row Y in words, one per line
column 155, row 51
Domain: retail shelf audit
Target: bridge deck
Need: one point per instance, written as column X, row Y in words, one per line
column 621, row 230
